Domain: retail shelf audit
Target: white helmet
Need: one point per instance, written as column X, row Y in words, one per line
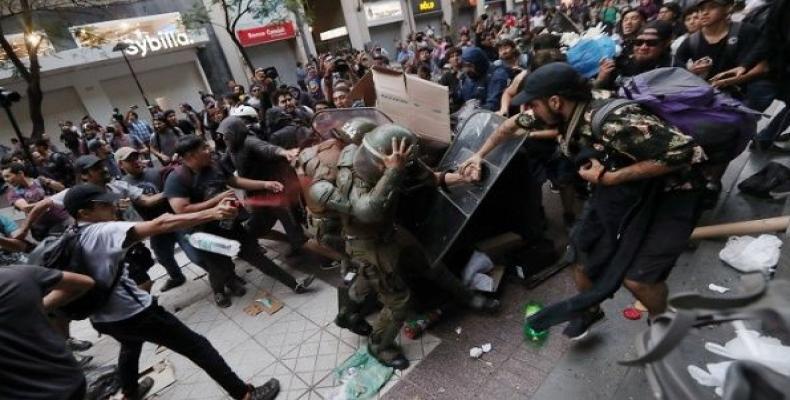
column 244, row 111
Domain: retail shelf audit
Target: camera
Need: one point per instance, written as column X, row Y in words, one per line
column 341, row 65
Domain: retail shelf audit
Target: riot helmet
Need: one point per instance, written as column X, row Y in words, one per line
column 353, row 130
column 377, row 144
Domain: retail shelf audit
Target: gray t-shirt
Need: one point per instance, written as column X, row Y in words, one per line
column 105, row 243
column 120, row 187
column 34, row 362
column 165, row 141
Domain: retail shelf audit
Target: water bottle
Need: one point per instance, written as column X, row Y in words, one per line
column 531, row 334
column 215, row 244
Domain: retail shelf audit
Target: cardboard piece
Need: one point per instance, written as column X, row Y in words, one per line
column 264, row 301
column 490, row 281
column 364, row 90
column 417, row 104
column 499, row 246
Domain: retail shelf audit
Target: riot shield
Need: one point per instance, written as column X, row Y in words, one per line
column 327, row 120
column 444, row 214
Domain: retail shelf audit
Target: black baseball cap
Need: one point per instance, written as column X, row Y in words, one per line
column 83, row 196
column 661, row 29
column 549, row 80
column 85, row 163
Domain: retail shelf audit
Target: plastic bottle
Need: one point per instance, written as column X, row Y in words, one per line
column 530, row 334
column 215, row 244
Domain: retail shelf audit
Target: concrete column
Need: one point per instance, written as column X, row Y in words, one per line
column 356, row 23
column 410, row 25
column 447, row 11
column 481, row 8
column 232, row 55
column 510, row 5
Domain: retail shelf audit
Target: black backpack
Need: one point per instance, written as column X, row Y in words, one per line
column 64, row 253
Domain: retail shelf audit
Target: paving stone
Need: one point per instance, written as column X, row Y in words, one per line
column 286, row 333
column 291, row 386
column 315, row 357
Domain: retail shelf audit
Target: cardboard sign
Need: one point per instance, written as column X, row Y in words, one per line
column 419, row 105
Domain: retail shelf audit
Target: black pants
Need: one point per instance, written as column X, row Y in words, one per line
column 79, row 394
column 156, row 325
column 262, row 219
column 251, row 252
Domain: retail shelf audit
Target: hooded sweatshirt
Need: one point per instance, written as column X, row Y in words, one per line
column 487, row 85
column 251, row 156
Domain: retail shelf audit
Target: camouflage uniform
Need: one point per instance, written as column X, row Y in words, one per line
column 630, row 135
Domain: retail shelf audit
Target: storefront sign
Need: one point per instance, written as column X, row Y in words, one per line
column 266, row 34
column 333, row 33
column 426, row 6
column 144, row 35
column 381, row 12
column 17, row 42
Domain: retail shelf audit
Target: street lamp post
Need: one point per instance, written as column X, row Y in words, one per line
column 7, row 98
column 121, row 47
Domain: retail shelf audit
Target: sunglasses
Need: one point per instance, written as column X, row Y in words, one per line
column 646, row 42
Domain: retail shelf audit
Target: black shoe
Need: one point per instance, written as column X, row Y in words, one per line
column 222, row 300
column 172, row 284
column 83, row 361
column 78, row 345
column 329, row 265
column 267, row 391
column 580, row 326
column 302, row 286
column 355, row 324
column 143, row 387
column 399, row 362
column 568, row 219
column 235, row 288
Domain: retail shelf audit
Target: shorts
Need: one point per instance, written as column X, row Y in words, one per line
column 665, row 238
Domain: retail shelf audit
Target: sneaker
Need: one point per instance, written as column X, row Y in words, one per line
column 302, row 285
column 579, row 327
column 172, row 284
column 235, row 288
column 143, row 387
column 267, row 391
column 222, row 300
column 78, row 345
column 83, row 361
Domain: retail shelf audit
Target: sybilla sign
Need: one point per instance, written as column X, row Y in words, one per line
column 266, row 34
column 426, row 6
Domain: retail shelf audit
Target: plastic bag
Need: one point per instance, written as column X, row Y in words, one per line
column 748, row 254
column 479, row 263
column 361, row 375
column 586, row 55
column 750, row 345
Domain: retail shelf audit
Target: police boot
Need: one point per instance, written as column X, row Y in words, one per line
column 349, row 316
column 479, row 302
column 382, row 346
column 389, row 357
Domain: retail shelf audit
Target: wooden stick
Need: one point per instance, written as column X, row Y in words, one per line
column 767, row 225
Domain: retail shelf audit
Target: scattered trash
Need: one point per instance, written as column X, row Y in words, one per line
column 632, row 313
column 718, row 289
column 361, row 376
column 264, row 301
column 441, row 390
column 748, row 254
column 475, row 352
column 458, row 330
column 479, row 263
column 415, row 327
column 486, row 347
column 489, row 364
column 713, row 376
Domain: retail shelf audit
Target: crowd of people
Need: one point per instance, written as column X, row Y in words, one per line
column 120, row 189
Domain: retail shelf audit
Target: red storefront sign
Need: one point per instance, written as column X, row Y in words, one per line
column 266, row 34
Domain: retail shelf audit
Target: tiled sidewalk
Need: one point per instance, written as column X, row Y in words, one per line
column 299, row 345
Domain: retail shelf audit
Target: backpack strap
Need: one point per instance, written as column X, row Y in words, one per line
column 695, row 41
column 599, row 116
column 731, row 47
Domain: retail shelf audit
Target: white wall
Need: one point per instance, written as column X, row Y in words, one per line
column 281, row 55
column 59, row 105
column 177, row 83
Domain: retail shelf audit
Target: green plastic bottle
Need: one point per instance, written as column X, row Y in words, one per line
column 530, row 334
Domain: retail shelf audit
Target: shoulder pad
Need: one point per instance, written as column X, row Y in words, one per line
column 346, row 159
column 320, row 192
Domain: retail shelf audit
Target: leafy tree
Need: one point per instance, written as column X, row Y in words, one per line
column 25, row 62
column 234, row 10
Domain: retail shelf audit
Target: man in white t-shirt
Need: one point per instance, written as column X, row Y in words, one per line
column 130, row 315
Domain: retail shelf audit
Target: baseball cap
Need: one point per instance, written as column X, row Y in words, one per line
column 548, row 80
column 660, row 29
column 125, row 152
column 86, row 162
column 506, row 42
column 83, row 195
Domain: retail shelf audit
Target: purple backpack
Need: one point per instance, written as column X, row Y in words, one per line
column 692, row 105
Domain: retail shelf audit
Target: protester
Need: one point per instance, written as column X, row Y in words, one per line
column 651, row 50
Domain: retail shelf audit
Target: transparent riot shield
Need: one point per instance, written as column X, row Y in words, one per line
column 442, row 217
column 327, row 120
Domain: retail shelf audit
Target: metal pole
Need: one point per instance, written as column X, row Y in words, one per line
column 21, row 138
column 137, row 81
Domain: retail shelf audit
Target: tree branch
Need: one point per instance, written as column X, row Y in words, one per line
column 240, row 14
column 13, row 57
